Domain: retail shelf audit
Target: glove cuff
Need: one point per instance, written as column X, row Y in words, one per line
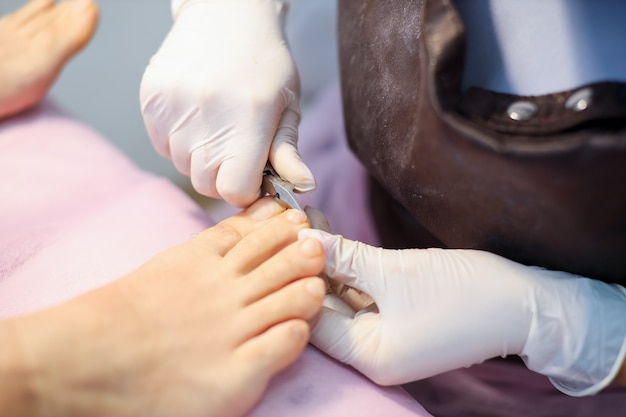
column 606, row 348
column 578, row 336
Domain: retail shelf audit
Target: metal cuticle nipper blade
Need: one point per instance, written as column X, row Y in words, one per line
column 279, row 188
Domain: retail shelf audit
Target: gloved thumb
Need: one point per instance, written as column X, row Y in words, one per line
column 284, row 154
column 351, row 340
column 347, row 260
column 317, row 219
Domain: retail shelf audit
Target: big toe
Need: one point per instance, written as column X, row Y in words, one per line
column 75, row 22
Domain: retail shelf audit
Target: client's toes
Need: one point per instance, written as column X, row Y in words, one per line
column 74, row 23
column 35, row 44
column 31, row 9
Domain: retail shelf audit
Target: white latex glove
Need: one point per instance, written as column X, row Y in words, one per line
column 221, row 97
column 445, row 309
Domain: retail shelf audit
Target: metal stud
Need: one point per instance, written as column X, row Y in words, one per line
column 580, row 100
column 522, row 110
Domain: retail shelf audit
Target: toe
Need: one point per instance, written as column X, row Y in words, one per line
column 276, row 348
column 31, row 10
column 299, row 300
column 43, row 35
column 75, row 22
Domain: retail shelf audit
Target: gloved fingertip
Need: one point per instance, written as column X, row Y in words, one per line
column 289, row 165
column 296, row 172
column 317, row 219
column 305, row 186
column 324, row 237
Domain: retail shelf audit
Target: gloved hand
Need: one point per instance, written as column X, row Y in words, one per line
column 440, row 310
column 221, row 96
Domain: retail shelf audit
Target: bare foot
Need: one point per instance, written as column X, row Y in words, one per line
column 36, row 42
column 197, row 331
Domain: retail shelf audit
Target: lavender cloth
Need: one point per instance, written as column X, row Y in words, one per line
column 75, row 214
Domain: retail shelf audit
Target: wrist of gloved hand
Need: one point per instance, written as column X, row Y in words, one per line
column 445, row 309
column 578, row 334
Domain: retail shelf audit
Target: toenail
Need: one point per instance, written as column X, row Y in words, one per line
column 262, row 211
column 296, row 216
column 79, row 6
column 311, row 247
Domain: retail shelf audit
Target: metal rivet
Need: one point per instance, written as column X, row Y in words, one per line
column 580, row 100
column 521, row 110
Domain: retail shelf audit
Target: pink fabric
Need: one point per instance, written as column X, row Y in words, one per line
column 318, row 387
column 75, row 214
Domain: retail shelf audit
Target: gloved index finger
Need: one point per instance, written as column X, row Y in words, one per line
column 343, row 259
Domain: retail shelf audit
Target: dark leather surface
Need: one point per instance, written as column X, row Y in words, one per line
column 451, row 169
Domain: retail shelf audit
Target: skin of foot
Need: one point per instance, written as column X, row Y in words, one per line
column 197, row 331
column 36, row 42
